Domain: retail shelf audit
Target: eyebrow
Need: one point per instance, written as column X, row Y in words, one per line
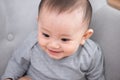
column 66, row 35
column 45, row 29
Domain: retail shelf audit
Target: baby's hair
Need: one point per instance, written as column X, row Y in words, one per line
column 68, row 6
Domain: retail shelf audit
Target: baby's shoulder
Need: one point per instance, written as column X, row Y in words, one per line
column 27, row 44
column 90, row 48
column 30, row 41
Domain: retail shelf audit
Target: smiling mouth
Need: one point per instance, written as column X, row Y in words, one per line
column 53, row 52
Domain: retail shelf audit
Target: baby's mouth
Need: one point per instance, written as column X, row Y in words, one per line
column 54, row 52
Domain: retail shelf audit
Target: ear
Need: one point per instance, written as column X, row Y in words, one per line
column 86, row 35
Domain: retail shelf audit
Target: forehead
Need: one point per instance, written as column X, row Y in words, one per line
column 72, row 19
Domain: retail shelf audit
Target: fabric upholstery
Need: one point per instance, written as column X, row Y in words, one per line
column 106, row 24
column 18, row 19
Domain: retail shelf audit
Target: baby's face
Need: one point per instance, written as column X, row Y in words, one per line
column 59, row 35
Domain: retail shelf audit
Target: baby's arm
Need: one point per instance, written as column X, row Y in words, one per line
column 20, row 61
column 16, row 68
column 96, row 70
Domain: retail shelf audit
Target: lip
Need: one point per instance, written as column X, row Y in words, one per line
column 53, row 52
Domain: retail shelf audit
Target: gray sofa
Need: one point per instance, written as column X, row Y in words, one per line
column 18, row 19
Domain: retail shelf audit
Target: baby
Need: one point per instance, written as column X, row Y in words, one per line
column 61, row 48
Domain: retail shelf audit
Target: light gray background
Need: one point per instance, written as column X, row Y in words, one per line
column 18, row 19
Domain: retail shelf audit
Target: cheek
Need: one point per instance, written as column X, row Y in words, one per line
column 42, row 42
column 70, row 49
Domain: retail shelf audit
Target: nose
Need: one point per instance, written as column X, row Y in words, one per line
column 54, row 44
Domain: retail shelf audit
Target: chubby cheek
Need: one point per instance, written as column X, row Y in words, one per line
column 71, row 49
column 42, row 42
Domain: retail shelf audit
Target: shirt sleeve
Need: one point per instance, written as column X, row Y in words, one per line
column 18, row 65
column 96, row 70
column 20, row 61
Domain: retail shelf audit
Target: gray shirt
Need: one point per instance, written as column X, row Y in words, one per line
column 85, row 64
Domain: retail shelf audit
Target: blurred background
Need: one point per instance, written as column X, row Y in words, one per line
column 18, row 20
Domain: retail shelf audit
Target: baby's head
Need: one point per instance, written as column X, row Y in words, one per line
column 63, row 26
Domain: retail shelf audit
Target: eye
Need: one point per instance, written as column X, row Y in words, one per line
column 65, row 39
column 45, row 35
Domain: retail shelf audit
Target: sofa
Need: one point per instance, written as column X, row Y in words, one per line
column 18, row 18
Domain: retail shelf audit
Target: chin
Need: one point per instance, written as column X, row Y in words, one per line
column 55, row 57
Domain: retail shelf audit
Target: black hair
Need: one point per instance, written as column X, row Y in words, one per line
column 68, row 5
